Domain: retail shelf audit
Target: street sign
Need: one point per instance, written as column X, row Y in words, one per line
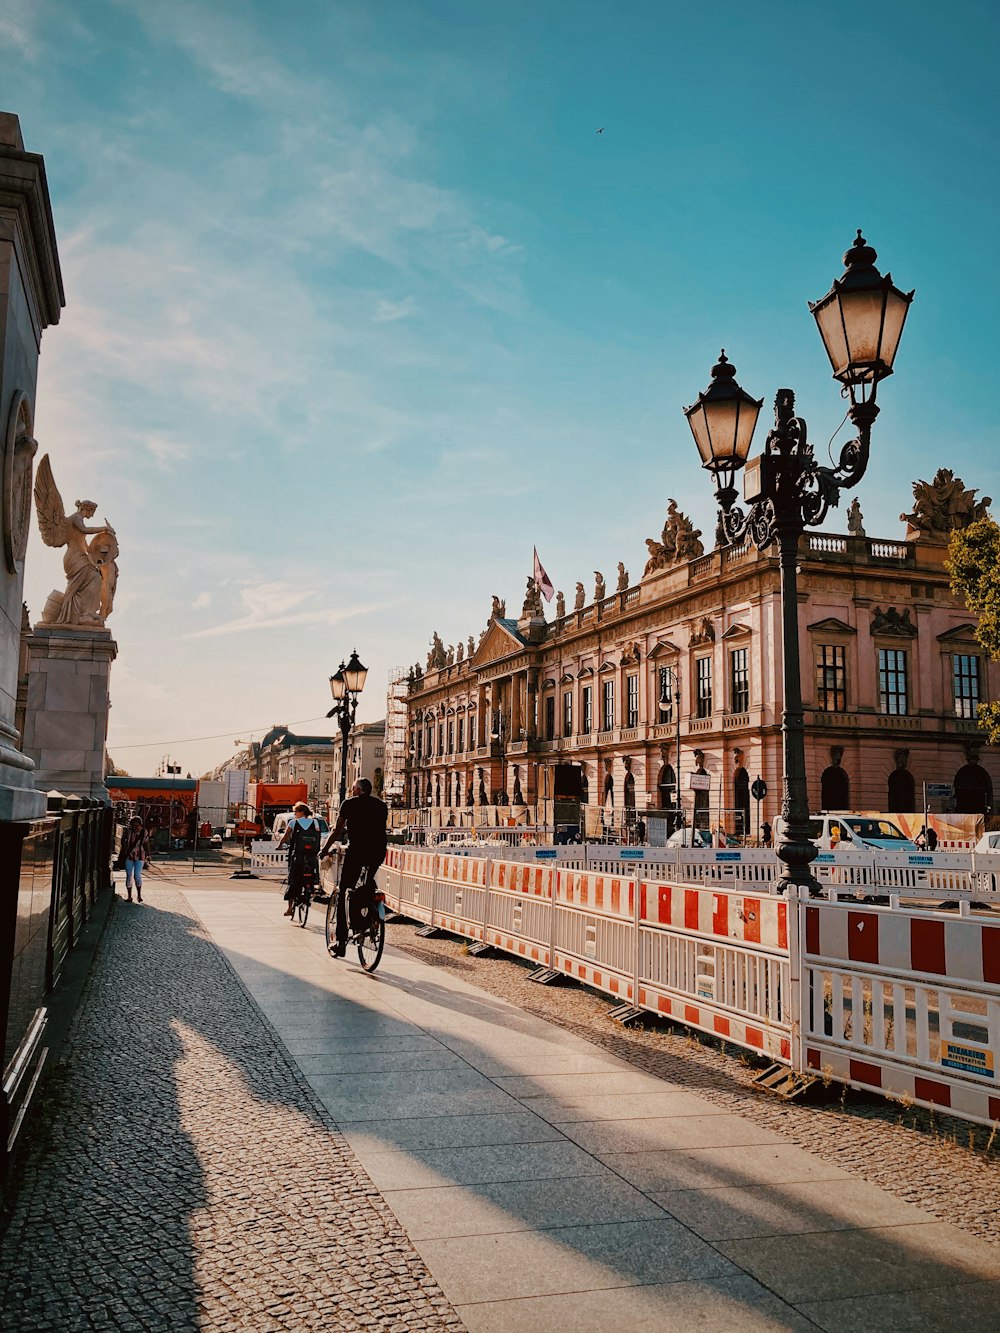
column 758, row 789
column 700, row 782
column 940, row 790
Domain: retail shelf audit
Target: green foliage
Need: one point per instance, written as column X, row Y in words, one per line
column 974, row 565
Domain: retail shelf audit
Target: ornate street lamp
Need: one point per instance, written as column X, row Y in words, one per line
column 860, row 321
column 346, row 684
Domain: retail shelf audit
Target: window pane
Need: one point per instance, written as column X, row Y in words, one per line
column 588, row 709
column 739, row 684
column 632, row 708
column 568, row 713
column 704, row 669
column 831, row 679
column 892, row 681
column 966, row 677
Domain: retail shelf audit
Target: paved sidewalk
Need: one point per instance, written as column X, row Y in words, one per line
column 207, row 1169
column 549, row 1186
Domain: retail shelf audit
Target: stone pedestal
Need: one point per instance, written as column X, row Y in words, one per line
column 66, row 714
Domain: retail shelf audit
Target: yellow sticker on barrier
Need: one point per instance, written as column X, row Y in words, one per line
column 968, row 1059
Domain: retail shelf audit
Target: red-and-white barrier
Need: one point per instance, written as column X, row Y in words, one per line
column 907, row 1003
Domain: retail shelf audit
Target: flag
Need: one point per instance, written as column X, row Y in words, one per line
column 542, row 579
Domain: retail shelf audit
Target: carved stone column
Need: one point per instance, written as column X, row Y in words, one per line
column 31, row 297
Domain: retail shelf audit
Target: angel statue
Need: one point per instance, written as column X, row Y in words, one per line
column 90, row 569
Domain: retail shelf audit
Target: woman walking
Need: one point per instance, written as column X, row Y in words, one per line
column 135, row 854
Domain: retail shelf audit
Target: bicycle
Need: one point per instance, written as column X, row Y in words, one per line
column 370, row 941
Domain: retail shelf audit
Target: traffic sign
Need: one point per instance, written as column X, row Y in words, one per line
column 758, row 789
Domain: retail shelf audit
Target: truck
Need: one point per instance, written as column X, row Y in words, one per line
column 273, row 798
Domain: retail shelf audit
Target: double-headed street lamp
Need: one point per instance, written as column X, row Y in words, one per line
column 860, row 321
column 345, row 686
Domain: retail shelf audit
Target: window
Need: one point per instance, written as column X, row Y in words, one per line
column 440, row 748
column 419, row 753
column 461, row 734
column 739, row 681
column 892, row 681
column 704, row 670
column 550, row 717
column 588, row 709
column 966, row 677
column 665, row 693
column 831, row 679
column 632, row 701
column 608, row 705
column 451, row 738
column 567, row 719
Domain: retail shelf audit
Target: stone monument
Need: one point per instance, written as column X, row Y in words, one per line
column 31, row 298
column 69, row 650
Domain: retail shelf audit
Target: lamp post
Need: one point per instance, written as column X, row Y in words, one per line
column 860, row 321
column 345, row 686
column 672, row 694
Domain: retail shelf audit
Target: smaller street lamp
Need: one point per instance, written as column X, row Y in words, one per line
column 346, row 684
column 672, row 686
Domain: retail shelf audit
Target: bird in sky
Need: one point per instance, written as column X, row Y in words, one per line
column 601, row 130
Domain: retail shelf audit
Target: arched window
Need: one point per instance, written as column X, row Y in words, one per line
column 973, row 790
column 629, row 791
column 584, row 787
column 741, row 800
column 835, row 789
column 667, row 787
column 902, row 793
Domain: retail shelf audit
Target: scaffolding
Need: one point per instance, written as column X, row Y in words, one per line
column 395, row 735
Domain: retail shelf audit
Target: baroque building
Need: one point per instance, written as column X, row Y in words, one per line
column 671, row 687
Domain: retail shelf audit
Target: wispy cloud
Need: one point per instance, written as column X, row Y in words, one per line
column 275, row 605
column 388, row 312
column 19, row 27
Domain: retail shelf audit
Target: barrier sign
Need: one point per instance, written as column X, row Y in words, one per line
column 920, row 860
column 968, row 1059
column 700, row 782
column 545, row 853
column 727, row 856
column 631, row 854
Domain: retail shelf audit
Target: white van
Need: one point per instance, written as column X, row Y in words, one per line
column 857, row 833
column 282, row 821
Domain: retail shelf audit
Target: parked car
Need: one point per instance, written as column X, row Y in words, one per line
column 688, row 837
column 989, row 842
column 281, row 822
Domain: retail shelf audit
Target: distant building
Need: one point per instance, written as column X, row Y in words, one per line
column 585, row 707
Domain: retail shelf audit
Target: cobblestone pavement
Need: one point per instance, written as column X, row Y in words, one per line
column 946, row 1166
column 182, row 1174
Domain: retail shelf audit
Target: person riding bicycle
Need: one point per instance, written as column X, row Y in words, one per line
column 302, row 837
column 364, row 818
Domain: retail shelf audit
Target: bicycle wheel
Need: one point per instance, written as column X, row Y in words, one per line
column 371, row 944
column 331, row 922
column 302, row 911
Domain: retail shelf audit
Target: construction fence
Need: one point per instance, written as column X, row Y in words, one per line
column 904, row 1001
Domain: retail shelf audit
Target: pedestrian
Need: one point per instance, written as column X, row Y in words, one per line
column 766, row 835
column 302, row 838
column 932, row 838
column 134, row 855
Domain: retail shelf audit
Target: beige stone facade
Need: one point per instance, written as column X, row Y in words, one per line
column 891, row 677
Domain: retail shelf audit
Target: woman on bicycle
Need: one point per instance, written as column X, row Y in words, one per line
column 302, row 838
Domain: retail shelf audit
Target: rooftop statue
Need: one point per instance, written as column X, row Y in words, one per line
column 581, row 597
column 599, row 587
column 437, row 657
column 679, row 541
column 499, row 607
column 943, row 505
column 855, row 519
column 560, row 606
column 90, row 568
column 622, row 577
column 532, row 606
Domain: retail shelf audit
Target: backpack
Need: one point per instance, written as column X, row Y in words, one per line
column 305, row 843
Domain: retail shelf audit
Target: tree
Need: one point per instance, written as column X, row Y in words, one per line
column 974, row 565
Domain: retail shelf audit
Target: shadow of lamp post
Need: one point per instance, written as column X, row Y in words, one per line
column 860, row 321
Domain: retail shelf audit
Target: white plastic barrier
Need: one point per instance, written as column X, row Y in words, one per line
column 903, row 1002
column 907, row 1005
column 265, row 859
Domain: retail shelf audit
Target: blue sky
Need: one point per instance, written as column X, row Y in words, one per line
column 360, row 306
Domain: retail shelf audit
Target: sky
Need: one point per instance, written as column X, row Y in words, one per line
column 360, row 306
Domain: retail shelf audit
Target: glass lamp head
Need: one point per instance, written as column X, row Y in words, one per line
column 722, row 421
column 338, row 686
column 861, row 320
column 355, row 674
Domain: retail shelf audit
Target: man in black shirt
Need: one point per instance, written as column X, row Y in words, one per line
column 363, row 817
